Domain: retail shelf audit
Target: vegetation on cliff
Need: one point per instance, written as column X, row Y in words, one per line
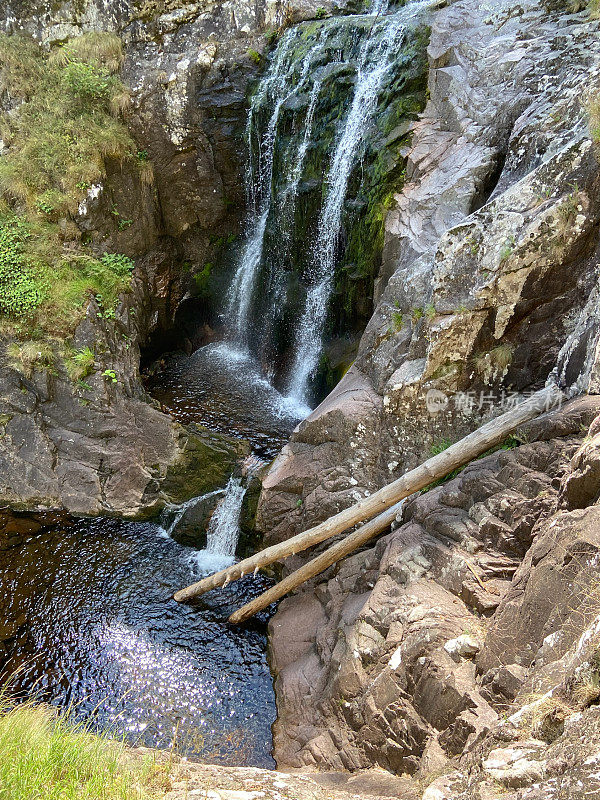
column 61, row 120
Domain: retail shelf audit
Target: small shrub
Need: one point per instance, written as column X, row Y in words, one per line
column 320, row 13
column 502, row 355
column 80, row 364
column 118, row 263
column 110, row 375
column 417, row 314
column 21, row 290
column 570, row 205
column 86, row 82
column 254, row 56
column 398, row 320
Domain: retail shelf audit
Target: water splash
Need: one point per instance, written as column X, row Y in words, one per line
column 173, row 515
column 224, row 527
column 379, row 7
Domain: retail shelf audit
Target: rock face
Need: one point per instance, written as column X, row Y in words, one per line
column 104, row 449
column 488, row 261
column 482, row 599
column 482, row 602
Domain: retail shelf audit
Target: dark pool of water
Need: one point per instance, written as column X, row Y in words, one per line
column 104, row 635
column 223, row 389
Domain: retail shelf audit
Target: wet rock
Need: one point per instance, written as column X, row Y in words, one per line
column 488, row 237
column 10, row 627
column 188, row 524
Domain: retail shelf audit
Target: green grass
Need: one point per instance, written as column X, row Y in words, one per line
column 80, row 363
column 398, row 320
column 68, row 121
column 65, row 123
column 43, row 288
column 44, row 756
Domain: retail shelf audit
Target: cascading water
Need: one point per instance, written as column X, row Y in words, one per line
column 224, row 529
column 376, row 61
column 224, row 526
column 330, row 74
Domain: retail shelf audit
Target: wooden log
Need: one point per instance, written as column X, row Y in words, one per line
column 473, row 445
column 318, row 564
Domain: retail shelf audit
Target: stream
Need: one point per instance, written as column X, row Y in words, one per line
column 100, row 632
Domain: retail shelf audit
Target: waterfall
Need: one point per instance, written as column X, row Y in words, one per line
column 259, row 177
column 224, row 526
column 223, row 529
column 307, row 130
column 376, row 61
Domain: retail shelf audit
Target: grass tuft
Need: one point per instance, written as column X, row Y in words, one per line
column 67, row 121
column 45, row 756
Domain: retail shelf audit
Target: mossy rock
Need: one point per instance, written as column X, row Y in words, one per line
column 250, row 540
column 206, row 463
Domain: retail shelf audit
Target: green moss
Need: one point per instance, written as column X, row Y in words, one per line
column 255, row 56
column 202, row 278
column 207, row 463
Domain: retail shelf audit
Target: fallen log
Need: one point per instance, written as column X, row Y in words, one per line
column 457, row 455
column 318, row 564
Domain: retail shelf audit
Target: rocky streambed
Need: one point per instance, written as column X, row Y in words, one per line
column 89, row 620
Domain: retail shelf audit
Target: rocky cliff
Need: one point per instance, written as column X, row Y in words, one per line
column 102, row 448
column 462, row 648
column 488, row 262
